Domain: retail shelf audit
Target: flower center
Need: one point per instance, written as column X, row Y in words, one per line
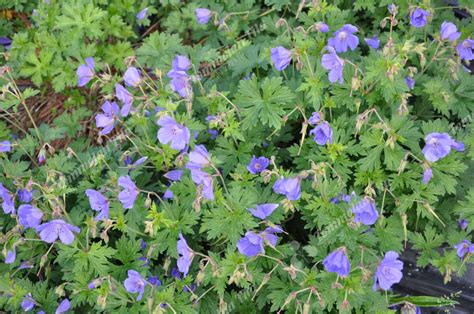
column 342, row 35
column 175, row 130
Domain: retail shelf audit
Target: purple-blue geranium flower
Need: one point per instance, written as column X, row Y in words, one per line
column 28, row 303
column 29, row 216
column 129, row 193
column 182, row 86
column 262, row 211
column 173, row 133
column 410, row 82
column 365, row 212
column 204, row 180
column 54, row 229
column 290, row 187
column 203, row 15
column 373, row 42
column 180, row 80
column 449, row 31
column 344, row 38
column 388, row 272
column 175, row 273
column 11, row 256
column 438, row 145
column 63, row 307
column 213, row 133
column 463, row 223
column 427, row 175
column 25, row 195
column 251, row 244
column 268, row 235
column 135, row 283
column 322, row 133
column 392, row 8
column 331, row 61
column 257, row 165
column 198, row 158
column 174, row 175
column 92, row 284
column 321, row 27
column 98, row 203
column 185, row 255
column 315, row 118
column 464, row 248
column 139, row 161
column 181, row 63
column 124, row 96
column 465, row 49
column 85, row 72
column 8, row 204
column 132, row 77
column 154, row 281
column 107, row 119
column 142, row 14
column 281, row 57
column 418, row 18
column 168, row 194
column 337, row 262
column 5, row 42
column 5, row 146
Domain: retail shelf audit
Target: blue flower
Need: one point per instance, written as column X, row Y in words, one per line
column 337, row 262
column 290, row 187
column 176, row 135
column 418, row 18
column 365, row 212
column 331, row 61
column 142, row 14
column 344, row 38
column 262, row 211
column 129, row 193
column 373, row 42
column 438, row 145
column 322, row 133
column 98, row 203
column 203, row 15
column 281, row 57
column 251, row 244
column 257, row 165
column 85, row 73
column 449, row 31
column 388, row 272
column 185, row 255
column 135, row 283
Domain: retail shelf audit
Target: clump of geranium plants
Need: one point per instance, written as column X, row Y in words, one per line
column 290, row 178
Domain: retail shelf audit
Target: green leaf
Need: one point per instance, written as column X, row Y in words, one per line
column 264, row 103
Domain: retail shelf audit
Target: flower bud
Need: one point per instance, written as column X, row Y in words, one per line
column 408, row 308
column 222, row 306
column 280, row 23
column 102, row 301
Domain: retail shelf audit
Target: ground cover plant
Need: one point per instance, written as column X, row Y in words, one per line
column 215, row 156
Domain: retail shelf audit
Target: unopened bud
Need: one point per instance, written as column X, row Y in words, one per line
column 149, row 228
column 200, row 277
column 104, row 236
column 408, row 308
column 59, row 290
column 102, row 301
column 345, row 305
column 222, row 305
column 280, row 23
